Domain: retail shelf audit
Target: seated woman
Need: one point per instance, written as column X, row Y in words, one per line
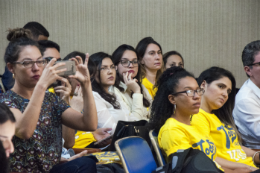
column 108, row 107
column 215, row 119
column 177, row 98
column 128, row 84
column 173, row 58
column 149, row 54
column 40, row 114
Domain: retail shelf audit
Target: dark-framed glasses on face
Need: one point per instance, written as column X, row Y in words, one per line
column 257, row 63
column 191, row 93
column 126, row 63
column 29, row 63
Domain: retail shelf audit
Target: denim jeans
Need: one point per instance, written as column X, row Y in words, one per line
column 82, row 164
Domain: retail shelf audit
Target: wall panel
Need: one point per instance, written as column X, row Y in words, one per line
column 206, row 32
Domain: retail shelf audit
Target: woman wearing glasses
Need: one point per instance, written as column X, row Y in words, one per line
column 215, row 119
column 128, row 84
column 173, row 58
column 149, row 54
column 177, row 99
column 40, row 114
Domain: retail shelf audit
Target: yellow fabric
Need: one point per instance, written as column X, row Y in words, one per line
column 107, row 157
column 175, row 135
column 83, row 139
column 51, row 90
column 149, row 86
column 223, row 136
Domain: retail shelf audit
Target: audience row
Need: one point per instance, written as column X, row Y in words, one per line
column 51, row 112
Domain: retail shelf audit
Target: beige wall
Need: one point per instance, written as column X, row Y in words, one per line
column 206, row 32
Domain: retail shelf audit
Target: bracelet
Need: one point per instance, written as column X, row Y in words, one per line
column 254, row 159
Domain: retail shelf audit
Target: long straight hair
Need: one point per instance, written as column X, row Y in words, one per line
column 97, row 58
column 224, row 113
column 140, row 49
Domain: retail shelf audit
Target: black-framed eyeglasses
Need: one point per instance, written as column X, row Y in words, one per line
column 191, row 93
column 126, row 63
column 29, row 63
column 257, row 63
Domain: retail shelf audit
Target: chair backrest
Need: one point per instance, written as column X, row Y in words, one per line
column 135, row 155
column 154, row 139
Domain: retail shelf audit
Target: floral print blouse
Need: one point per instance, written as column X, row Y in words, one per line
column 43, row 150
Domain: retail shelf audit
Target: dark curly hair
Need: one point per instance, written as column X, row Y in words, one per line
column 97, row 58
column 162, row 109
column 224, row 113
column 116, row 57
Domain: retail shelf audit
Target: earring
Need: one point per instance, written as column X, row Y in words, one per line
column 13, row 76
column 174, row 106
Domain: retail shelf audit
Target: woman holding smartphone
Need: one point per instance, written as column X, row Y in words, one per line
column 39, row 114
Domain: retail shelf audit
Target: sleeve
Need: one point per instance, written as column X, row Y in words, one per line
column 172, row 140
column 135, row 112
column 201, row 123
column 247, row 113
column 105, row 118
column 10, row 103
column 83, row 139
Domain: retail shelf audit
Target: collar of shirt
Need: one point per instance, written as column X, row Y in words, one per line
column 253, row 86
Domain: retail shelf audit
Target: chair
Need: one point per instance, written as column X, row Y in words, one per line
column 154, row 139
column 135, row 155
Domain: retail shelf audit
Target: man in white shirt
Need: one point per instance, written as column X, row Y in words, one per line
column 247, row 104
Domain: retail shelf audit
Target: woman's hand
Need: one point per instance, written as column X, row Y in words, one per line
column 77, row 100
column 100, row 134
column 50, row 74
column 131, row 84
column 64, row 90
column 82, row 73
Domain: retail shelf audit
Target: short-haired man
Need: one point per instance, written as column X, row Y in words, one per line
column 38, row 31
column 50, row 49
column 247, row 104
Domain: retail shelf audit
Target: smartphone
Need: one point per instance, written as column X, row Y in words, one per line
column 98, row 142
column 69, row 65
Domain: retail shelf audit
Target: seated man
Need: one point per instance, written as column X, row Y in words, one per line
column 247, row 103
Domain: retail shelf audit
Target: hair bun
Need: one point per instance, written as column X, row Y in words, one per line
column 16, row 33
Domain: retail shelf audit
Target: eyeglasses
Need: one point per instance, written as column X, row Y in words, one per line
column 126, row 63
column 29, row 64
column 106, row 69
column 191, row 93
column 257, row 63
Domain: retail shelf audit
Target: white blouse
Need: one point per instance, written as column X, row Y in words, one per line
column 108, row 116
column 133, row 106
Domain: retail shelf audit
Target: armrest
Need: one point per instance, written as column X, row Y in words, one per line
column 90, row 150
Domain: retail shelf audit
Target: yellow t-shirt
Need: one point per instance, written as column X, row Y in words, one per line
column 175, row 135
column 149, row 86
column 223, row 136
column 83, row 139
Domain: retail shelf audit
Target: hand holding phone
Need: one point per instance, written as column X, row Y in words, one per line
column 69, row 65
